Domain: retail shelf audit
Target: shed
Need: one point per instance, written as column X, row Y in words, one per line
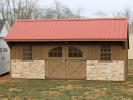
column 4, row 49
column 89, row 49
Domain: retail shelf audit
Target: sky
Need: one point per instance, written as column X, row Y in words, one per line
column 91, row 7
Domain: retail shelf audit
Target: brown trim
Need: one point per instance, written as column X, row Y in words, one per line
column 10, row 62
column 107, row 81
column 74, row 58
column 27, row 60
column 126, row 74
column 70, row 79
column 71, row 43
column 126, row 61
column 128, row 36
column 65, row 79
column 60, row 40
column 105, row 61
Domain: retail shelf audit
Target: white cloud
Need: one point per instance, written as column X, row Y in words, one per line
column 60, row 1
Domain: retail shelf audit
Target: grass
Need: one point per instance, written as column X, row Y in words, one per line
column 68, row 89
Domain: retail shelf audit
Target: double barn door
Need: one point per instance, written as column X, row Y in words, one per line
column 65, row 62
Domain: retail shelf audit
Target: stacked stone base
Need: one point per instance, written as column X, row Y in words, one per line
column 95, row 70
column 106, row 71
column 28, row 69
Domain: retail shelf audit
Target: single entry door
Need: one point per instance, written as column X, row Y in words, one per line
column 65, row 62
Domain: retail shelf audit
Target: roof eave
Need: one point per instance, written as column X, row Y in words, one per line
column 61, row 40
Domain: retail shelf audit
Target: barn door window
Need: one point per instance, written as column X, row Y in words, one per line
column 74, row 52
column 55, row 52
column 105, row 52
column 27, row 52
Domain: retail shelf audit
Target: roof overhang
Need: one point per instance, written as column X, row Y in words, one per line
column 62, row 40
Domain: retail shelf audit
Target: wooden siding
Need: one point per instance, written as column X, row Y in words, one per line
column 118, row 52
column 91, row 50
column 17, row 52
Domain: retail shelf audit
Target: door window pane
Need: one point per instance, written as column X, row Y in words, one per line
column 55, row 52
column 74, row 52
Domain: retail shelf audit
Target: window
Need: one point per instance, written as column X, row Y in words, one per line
column 0, row 50
column 75, row 52
column 56, row 52
column 5, row 50
column 27, row 52
column 105, row 52
column 3, row 58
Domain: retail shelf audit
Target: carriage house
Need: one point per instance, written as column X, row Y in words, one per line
column 89, row 49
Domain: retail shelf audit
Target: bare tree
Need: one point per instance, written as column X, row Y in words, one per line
column 48, row 13
column 29, row 9
column 19, row 9
column 126, row 13
column 2, row 8
column 59, row 11
column 100, row 14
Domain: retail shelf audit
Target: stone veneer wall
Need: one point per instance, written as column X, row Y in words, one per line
column 28, row 69
column 108, row 71
column 130, row 50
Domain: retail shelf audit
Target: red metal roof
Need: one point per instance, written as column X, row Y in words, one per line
column 69, row 30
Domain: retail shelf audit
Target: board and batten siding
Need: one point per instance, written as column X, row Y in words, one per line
column 35, row 69
column 92, row 52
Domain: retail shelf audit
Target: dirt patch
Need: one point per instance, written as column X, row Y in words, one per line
column 130, row 90
column 83, row 97
column 5, row 78
column 101, row 92
column 15, row 90
column 17, row 98
column 72, row 86
column 76, row 97
column 68, row 86
column 4, row 99
column 50, row 93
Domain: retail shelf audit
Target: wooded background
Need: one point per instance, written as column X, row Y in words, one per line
column 12, row 10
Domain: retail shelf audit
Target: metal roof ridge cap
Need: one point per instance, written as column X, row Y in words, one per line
column 73, row 19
